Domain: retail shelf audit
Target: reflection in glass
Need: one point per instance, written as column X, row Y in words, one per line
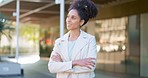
column 111, row 34
column 111, row 38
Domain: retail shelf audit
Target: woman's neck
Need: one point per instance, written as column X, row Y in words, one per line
column 73, row 35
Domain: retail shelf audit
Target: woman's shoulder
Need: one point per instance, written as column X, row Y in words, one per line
column 88, row 35
column 57, row 40
column 61, row 39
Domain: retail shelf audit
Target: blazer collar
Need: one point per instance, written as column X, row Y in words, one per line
column 83, row 35
column 81, row 41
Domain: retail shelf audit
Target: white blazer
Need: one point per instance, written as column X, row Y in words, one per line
column 85, row 47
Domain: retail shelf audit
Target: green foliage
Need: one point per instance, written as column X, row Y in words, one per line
column 2, row 21
column 3, row 26
column 30, row 32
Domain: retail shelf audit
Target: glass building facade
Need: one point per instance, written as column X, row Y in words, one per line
column 122, row 44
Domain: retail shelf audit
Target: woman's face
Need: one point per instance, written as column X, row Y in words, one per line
column 73, row 20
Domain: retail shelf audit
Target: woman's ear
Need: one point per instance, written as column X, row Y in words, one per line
column 81, row 22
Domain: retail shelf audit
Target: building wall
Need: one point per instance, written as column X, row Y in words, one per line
column 133, row 52
column 136, row 55
column 144, row 45
column 125, row 9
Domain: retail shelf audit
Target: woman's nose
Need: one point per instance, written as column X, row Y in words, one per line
column 68, row 19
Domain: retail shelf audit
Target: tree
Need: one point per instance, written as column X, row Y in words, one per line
column 4, row 26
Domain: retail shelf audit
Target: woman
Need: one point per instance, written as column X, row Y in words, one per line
column 74, row 54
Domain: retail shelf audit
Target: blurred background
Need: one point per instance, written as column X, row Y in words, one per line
column 120, row 30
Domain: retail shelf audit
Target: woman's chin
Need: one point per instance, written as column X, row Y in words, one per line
column 68, row 27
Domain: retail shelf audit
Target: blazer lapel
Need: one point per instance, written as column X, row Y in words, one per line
column 64, row 47
column 80, row 43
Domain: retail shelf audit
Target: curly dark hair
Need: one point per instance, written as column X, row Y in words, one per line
column 86, row 9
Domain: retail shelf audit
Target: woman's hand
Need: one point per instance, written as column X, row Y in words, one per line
column 57, row 58
column 87, row 62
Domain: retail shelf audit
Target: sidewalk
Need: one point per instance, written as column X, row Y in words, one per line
column 40, row 70
column 102, row 74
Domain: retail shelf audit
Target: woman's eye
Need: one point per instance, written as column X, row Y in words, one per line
column 73, row 17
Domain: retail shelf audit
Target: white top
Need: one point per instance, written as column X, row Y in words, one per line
column 71, row 45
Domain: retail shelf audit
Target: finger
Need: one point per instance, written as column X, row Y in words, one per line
column 90, row 63
column 52, row 57
column 57, row 53
column 55, row 56
column 88, row 67
column 92, row 58
column 58, row 57
column 55, row 59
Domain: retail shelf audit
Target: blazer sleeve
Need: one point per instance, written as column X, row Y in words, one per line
column 55, row 67
column 92, row 52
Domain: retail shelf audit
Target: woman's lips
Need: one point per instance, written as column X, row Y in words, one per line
column 68, row 24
